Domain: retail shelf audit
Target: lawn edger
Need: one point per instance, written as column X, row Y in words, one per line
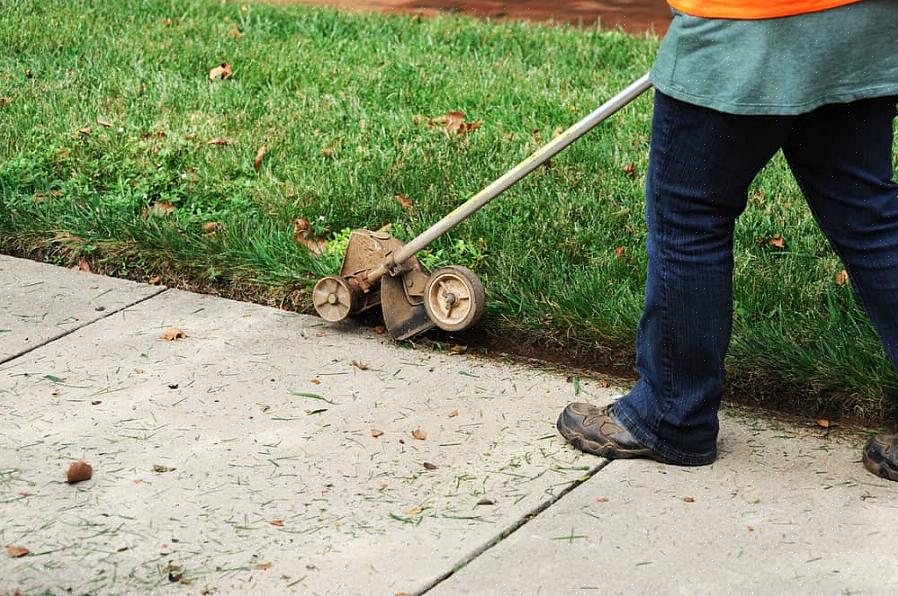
column 379, row 269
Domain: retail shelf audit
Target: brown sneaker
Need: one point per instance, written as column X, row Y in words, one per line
column 881, row 456
column 595, row 430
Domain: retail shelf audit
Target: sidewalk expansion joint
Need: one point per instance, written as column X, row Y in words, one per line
column 79, row 327
column 517, row 525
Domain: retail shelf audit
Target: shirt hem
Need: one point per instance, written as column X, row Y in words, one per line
column 776, row 109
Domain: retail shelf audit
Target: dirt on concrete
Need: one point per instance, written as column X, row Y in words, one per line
column 631, row 15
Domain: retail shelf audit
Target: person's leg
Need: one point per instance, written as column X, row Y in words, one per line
column 700, row 167
column 841, row 156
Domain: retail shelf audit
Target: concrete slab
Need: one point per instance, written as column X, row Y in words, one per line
column 242, row 457
column 40, row 302
column 783, row 511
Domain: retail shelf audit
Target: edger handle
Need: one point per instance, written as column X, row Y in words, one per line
column 520, row 171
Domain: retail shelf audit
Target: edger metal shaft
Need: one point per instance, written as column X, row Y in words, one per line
column 558, row 144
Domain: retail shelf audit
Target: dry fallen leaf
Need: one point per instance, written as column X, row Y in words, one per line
column 160, row 469
column 264, row 566
column 601, row 499
column 83, row 132
column 315, row 381
column 328, row 152
column 823, row 423
column 841, row 277
column 303, row 234
column 84, row 265
column 688, row 500
column 619, row 251
column 486, row 501
column 604, row 384
column 403, row 200
column 222, row 71
column 778, row 242
column 156, row 280
column 629, row 170
column 429, row 466
column 277, row 522
column 453, row 413
column 210, row 228
column 419, row 434
column 376, row 433
column 260, row 155
column 173, row 333
column 220, row 142
column 15, row 552
column 452, row 123
column 380, row 330
column 359, row 365
column 78, row 471
column 414, row 511
column 457, row 349
column 162, row 208
column 104, row 122
column 235, row 32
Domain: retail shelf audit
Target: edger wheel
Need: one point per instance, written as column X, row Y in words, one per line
column 333, row 299
column 454, row 298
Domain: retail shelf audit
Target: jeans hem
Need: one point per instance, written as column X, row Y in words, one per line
column 650, row 440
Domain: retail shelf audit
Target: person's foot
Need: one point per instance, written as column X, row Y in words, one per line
column 595, row 430
column 881, row 456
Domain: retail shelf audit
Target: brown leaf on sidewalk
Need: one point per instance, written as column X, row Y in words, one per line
column 260, row 155
column 173, row 333
column 264, row 566
column 160, row 469
column 84, row 265
column 304, row 235
column 486, row 501
column 403, row 200
column 419, row 434
column 14, row 552
column 842, row 277
column 360, row 365
column 222, row 71
column 688, row 500
column 79, row 471
column 277, row 522
column 429, row 466
column 376, row 433
column 824, row 423
column 453, row 413
column 156, row 280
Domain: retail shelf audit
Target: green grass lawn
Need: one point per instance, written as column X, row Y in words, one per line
column 335, row 98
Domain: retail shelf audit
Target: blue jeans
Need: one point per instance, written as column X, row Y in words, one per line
column 700, row 168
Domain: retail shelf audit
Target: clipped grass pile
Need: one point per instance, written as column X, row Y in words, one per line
column 116, row 147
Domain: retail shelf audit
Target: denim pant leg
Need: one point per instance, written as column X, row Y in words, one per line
column 841, row 156
column 700, row 167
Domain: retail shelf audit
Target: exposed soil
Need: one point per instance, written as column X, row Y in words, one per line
column 632, row 15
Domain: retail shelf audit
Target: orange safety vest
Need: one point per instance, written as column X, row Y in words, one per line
column 753, row 9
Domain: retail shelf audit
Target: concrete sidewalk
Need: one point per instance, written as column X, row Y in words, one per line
column 266, row 452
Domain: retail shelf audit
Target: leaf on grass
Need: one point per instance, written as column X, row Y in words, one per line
column 104, row 122
column 419, row 434
column 486, row 501
column 277, row 522
column 220, row 142
column 162, row 208
column 451, row 123
column 629, row 170
column 429, row 466
column 841, row 278
column 260, row 155
column 5, row 101
column 210, row 228
column 173, row 333
column 304, row 235
column 404, row 201
column 359, row 365
column 778, row 242
column 235, row 32
column 824, row 423
column 619, row 251
column 328, row 152
column 222, row 71
column 453, row 413
column 156, row 280
column 79, row 471
column 376, row 433
column 83, row 132
column 15, row 552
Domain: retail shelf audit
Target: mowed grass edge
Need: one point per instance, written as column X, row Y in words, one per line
column 342, row 101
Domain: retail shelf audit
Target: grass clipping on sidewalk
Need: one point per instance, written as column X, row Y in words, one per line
column 233, row 145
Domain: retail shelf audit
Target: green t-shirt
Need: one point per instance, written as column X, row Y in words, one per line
column 784, row 66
